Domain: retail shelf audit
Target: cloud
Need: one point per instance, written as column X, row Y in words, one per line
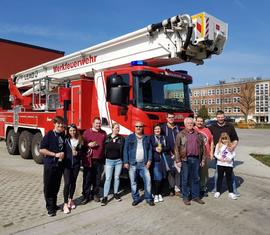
column 45, row 32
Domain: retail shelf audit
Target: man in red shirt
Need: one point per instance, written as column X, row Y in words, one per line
column 209, row 148
column 93, row 161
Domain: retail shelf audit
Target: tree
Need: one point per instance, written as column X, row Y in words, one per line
column 247, row 99
column 203, row 112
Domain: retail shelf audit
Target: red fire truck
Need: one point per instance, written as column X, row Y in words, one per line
column 119, row 80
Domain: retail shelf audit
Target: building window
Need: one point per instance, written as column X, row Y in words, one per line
column 236, row 99
column 218, row 101
column 236, row 110
column 217, row 91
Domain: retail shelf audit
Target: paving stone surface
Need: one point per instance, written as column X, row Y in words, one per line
column 22, row 207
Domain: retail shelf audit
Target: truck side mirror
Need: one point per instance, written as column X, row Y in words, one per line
column 119, row 95
column 117, row 91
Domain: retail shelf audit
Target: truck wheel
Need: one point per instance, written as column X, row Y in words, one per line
column 38, row 158
column 25, row 141
column 12, row 142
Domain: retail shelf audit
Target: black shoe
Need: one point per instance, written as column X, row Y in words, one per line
column 51, row 213
column 57, row 208
column 104, row 201
column 85, row 201
column 151, row 203
column 117, row 197
column 96, row 198
column 135, row 203
column 172, row 193
column 203, row 194
column 198, row 200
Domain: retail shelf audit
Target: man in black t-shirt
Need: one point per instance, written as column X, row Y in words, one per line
column 52, row 147
column 216, row 129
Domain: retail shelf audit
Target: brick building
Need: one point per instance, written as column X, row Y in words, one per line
column 230, row 96
column 16, row 57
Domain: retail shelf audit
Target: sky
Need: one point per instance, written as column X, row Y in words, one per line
column 70, row 26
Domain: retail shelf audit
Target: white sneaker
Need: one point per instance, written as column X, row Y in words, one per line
column 66, row 210
column 160, row 198
column 232, row 196
column 156, row 199
column 217, row 195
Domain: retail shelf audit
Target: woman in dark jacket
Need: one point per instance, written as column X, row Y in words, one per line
column 73, row 153
column 114, row 145
column 161, row 162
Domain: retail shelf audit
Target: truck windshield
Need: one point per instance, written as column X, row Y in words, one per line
column 161, row 93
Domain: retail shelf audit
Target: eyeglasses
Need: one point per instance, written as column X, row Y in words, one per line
column 170, row 117
column 139, row 126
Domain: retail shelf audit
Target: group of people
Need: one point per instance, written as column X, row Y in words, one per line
column 179, row 157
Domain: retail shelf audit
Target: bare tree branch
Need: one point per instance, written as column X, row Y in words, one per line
column 247, row 99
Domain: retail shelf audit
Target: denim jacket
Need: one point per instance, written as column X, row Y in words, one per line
column 131, row 148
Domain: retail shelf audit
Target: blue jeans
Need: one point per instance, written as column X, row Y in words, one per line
column 134, row 171
column 190, row 178
column 110, row 166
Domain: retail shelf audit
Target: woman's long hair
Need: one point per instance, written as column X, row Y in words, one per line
column 223, row 136
column 77, row 135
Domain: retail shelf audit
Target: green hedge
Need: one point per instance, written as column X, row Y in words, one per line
column 263, row 125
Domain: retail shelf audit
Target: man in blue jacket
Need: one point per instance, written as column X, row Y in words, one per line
column 137, row 159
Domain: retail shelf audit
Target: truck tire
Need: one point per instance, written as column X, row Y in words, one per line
column 25, row 141
column 12, row 142
column 38, row 158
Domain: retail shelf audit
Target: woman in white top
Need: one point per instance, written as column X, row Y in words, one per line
column 224, row 164
column 72, row 163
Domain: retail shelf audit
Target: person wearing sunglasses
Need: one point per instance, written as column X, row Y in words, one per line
column 137, row 159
